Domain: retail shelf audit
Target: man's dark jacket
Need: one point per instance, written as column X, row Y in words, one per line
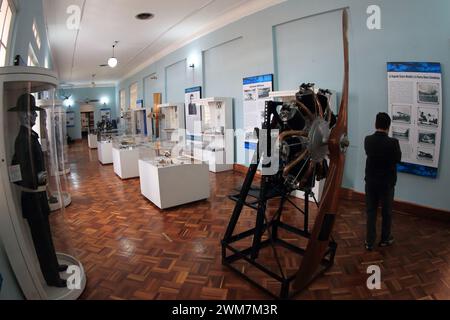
column 383, row 154
column 28, row 154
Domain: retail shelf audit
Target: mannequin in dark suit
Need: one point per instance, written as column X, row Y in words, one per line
column 35, row 209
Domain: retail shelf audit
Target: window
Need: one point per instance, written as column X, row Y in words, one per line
column 32, row 59
column 133, row 95
column 122, row 101
column 6, row 18
column 36, row 35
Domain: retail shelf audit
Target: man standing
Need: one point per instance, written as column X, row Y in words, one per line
column 383, row 154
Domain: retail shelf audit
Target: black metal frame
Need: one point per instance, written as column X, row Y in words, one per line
column 261, row 196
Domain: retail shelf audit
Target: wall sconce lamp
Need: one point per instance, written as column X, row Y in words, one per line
column 192, row 66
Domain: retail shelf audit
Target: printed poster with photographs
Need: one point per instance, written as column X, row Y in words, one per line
column 193, row 113
column 70, row 119
column 256, row 92
column 415, row 105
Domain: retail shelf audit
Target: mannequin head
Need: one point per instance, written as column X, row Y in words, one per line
column 27, row 119
column 27, row 110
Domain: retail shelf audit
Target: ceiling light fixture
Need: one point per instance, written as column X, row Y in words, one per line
column 145, row 16
column 112, row 62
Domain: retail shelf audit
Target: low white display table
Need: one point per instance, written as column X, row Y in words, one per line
column 92, row 141
column 105, row 152
column 126, row 162
column 174, row 185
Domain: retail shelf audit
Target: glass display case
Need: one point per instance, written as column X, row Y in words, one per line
column 104, row 145
column 51, row 126
column 217, row 139
column 38, row 243
column 125, row 153
column 171, row 121
column 169, row 178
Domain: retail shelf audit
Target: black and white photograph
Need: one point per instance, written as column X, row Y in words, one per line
column 428, row 138
column 425, row 154
column 428, row 92
column 400, row 133
column 193, row 112
column 250, row 95
column 401, row 113
column 263, row 93
column 428, row 117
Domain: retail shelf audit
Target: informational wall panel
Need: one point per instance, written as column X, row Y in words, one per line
column 415, row 105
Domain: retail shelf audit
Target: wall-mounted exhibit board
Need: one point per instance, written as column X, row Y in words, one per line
column 193, row 114
column 256, row 92
column 415, row 105
column 70, row 120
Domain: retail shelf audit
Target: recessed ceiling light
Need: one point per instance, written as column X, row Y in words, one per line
column 145, row 16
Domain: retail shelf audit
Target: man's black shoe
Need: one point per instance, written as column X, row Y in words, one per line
column 387, row 243
column 369, row 247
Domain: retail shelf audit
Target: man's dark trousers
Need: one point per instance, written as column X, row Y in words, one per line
column 377, row 194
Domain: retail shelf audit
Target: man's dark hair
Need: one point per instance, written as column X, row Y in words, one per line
column 383, row 121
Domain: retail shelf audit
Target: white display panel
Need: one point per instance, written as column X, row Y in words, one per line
column 415, row 106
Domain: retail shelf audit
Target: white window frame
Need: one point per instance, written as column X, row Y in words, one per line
column 36, row 34
column 32, row 58
column 8, row 46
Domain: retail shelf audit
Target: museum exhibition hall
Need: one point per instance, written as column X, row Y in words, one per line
column 227, row 150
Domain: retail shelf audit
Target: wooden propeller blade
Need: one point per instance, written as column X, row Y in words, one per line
column 320, row 238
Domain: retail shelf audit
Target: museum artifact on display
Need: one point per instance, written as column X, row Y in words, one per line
column 308, row 134
column 32, row 147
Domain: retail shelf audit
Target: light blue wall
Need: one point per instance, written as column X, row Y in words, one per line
column 412, row 30
column 81, row 94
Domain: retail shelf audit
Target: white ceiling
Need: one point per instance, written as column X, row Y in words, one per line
column 176, row 22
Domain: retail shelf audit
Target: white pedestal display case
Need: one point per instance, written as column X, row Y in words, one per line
column 92, row 141
column 126, row 155
column 169, row 181
column 217, row 134
column 105, row 152
column 37, row 243
column 171, row 121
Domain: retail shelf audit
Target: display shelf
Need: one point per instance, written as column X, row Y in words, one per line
column 217, row 134
column 171, row 121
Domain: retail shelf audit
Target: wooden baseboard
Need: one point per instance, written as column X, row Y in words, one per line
column 402, row 207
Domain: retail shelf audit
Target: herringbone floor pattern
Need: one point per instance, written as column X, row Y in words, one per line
column 132, row 250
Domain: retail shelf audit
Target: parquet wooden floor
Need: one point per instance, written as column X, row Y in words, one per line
column 132, row 250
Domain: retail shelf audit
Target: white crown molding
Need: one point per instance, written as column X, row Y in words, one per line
column 97, row 85
column 230, row 17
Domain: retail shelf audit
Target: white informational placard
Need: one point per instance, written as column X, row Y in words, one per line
column 415, row 106
column 256, row 92
column 193, row 113
column 70, row 120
